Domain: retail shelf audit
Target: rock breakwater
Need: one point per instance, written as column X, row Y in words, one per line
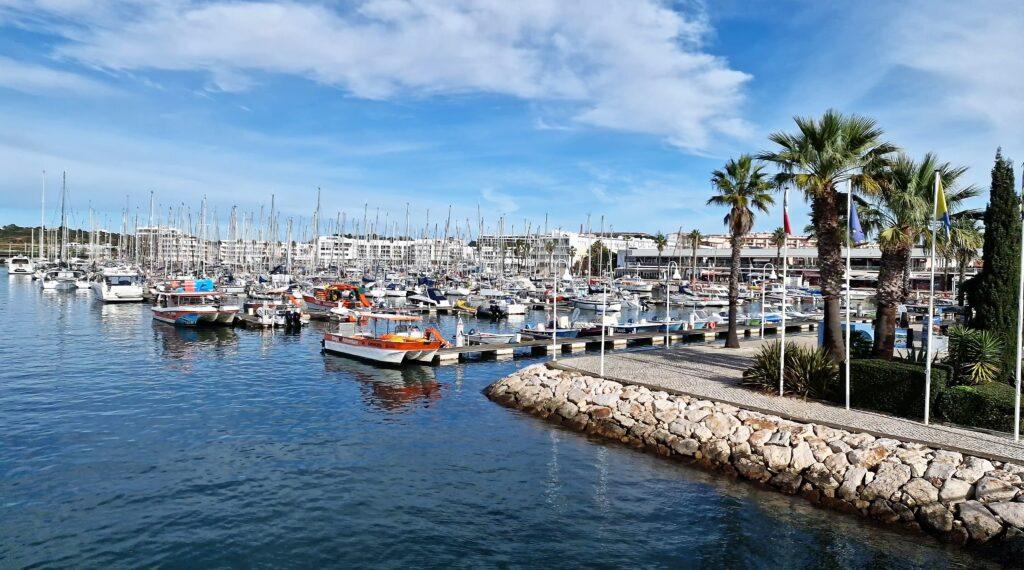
column 956, row 497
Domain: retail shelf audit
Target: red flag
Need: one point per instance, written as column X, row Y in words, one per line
column 785, row 213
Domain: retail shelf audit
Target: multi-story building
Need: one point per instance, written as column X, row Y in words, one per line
column 337, row 251
column 538, row 253
column 713, row 263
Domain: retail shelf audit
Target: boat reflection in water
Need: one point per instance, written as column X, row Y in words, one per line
column 181, row 343
column 390, row 389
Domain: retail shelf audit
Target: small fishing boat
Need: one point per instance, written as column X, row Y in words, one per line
column 474, row 337
column 540, row 331
column 673, row 325
column 194, row 308
column 493, row 311
column 400, row 343
column 641, row 326
column 323, row 298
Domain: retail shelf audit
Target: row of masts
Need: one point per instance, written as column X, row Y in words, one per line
column 177, row 240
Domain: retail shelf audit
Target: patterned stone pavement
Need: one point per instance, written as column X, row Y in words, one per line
column 714, row 373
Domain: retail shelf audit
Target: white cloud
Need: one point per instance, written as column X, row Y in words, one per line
column 33, row 78
column 976, row 52
column 631, row 65
column 505, row 204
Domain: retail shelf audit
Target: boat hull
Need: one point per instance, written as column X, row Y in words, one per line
column 611, row 307
column 379, row 351
column 190, row 317
column 118, row 294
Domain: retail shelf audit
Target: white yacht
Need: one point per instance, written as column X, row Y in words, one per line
column 118, row 285
column 20, row 265
column 597, row 303
column 637, row 286
column 61, row 279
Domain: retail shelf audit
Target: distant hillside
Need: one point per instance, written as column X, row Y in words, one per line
column 15, row 235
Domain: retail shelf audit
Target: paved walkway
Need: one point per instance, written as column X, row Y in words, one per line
column 713, row 372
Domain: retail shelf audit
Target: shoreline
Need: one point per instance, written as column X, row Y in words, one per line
column 957, row 498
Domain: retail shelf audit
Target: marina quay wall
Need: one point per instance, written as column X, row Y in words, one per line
column 956, row 497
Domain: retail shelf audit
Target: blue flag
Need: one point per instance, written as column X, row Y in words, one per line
column 856, row 232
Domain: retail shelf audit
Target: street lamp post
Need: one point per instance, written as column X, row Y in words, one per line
column 606, row 276
column 764, row 274
column 554, row 307
column 669, row 277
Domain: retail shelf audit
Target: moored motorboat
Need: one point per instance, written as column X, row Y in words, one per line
column 60, row 280
column 326, row 297
column 20, row 265
column 474, row 337
column 194, row 308
column 118, row 285
column 400, row 343
column 597, row 303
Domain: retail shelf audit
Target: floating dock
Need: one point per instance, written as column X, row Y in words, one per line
column 453, row 355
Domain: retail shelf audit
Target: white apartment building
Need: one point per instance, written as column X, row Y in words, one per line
column 538, row 253
column 338, row 251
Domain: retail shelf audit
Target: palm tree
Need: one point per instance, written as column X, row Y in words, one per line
column 741, row 186
column 902, row 213
column 778, row 240
column 660, row 241
column 549, row 246
column 966, row 239
column 823, row 154
column 695, row 237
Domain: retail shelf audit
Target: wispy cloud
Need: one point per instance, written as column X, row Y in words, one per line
column 505, row 204
column 34, row 78
column 630, row 65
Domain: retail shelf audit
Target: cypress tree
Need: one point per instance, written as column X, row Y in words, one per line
column 993, row 293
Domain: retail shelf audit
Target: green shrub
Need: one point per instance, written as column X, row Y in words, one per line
column 988, row 406
column 975, row 355
column 889, row 386
column 809, row 371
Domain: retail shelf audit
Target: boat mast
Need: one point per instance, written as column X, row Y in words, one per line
column 316, row 232
column 42, row 222
column 288, row 251
column 62, row 237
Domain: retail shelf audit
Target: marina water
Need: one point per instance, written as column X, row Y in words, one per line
column 129, row 443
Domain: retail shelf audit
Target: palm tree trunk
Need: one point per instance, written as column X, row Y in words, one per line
column 961, row 277
column 830, row 263
column 693, row 262
column 888, row 298
column 906, row 275
column 732, row 339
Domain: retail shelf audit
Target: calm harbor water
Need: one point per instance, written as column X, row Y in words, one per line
column 128, row 443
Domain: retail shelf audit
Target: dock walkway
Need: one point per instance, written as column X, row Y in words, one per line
column 453, row 355
column 713, row 372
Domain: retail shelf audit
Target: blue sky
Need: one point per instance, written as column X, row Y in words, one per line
column 529, row 109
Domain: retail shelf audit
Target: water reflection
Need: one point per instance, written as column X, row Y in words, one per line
column 187, row 343
column 390, row 389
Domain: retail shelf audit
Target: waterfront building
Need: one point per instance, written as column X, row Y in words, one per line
column 713, row 263
column 537, row 253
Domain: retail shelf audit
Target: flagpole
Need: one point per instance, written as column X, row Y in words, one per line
column 1020, row 332
column 785, row 256
column 849, row 250
column 931, row 306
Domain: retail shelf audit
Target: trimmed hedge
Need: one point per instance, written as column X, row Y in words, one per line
column 988, row 406
column 890, row 386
